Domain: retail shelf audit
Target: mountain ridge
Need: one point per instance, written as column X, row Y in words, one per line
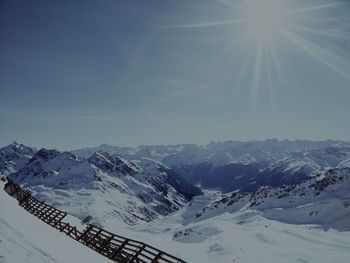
column 234, row 165
column 125, row 189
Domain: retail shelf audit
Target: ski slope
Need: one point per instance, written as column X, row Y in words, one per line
column 25, row 238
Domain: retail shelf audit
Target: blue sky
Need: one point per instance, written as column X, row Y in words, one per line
column 82, row 73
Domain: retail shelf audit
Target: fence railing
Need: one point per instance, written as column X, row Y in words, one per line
column 112, row 246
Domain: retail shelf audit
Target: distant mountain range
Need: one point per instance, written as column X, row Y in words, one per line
column 208, row 203
column 144, row 183
column 236, row 165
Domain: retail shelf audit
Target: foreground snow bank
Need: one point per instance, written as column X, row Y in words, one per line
column 25, row 238
column 243, row 236
column 246, row 237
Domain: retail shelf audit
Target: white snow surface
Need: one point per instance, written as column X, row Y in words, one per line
column 25, row 238
column 244, row 235
column 322, row 200
column 306, row 223
column 293, row 228
column 104, row 186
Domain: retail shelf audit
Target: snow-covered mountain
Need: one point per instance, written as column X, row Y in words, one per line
column 105, row 186
column 323, row 200
column 159, row 179
column 306, row 222
column 14, row 157
column 222, row 153
column 236, row 165
column 287, row 201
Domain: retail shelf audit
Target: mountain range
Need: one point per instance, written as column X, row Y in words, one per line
column 202, row 202
column 147, row 182
column 103, row 185
column 234, row 165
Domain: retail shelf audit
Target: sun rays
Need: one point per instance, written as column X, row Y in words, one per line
column 315, row 28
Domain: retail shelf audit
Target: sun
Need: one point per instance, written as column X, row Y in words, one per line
column 264, row 20
column 268, row 34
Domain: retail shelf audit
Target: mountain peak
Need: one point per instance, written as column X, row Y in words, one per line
column 15, row 147
column 15, row 144
column 47, row 154
column 115, row 163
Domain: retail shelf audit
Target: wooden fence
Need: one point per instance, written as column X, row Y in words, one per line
column 112, row 246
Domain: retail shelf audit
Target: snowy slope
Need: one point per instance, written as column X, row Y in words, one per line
column 241, row 237
column 323, row 200
column 25, row 238
column 106, row 186
column 226, row 238
column 304, row 222
column 240, row 228
column 308, row 222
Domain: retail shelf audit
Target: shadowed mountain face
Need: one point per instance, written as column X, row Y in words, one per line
column 246, row 177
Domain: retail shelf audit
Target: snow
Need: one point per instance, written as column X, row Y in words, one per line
column 311, row 228
column 103, row 186
column 241, row 236
column 315, row 201
column 302, row 223
column 25, row 238
column 244, row 237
